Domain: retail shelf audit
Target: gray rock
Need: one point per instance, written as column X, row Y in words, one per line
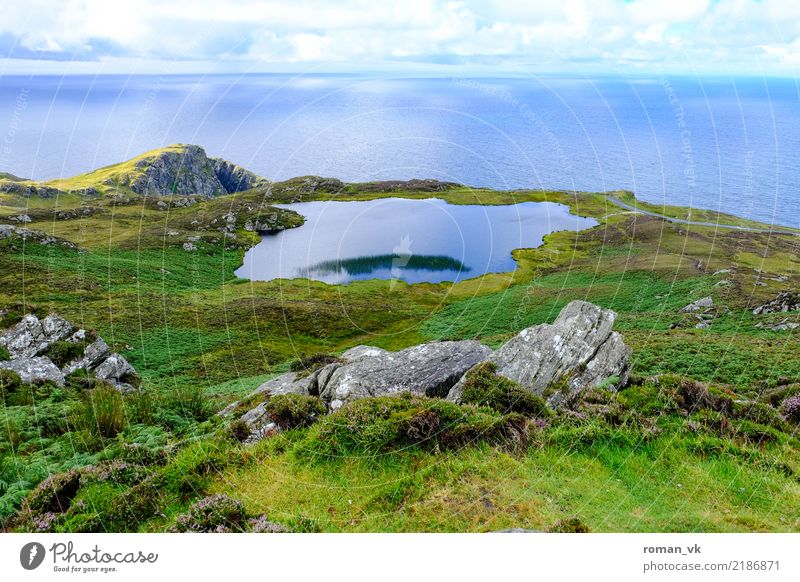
column 187, row 246
column 35, row 370
column 115, row 368
column 188, row 170
column 25, row 339
column 56, row 328
column 579, row 345
column 93, row 355
column 703, row 303
column 784, row 302
column 430, row 369
column 284, row 384
column 360, row 352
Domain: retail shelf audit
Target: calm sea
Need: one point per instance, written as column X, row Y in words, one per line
column 724, row 144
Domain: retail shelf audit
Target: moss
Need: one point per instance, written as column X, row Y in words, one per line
column 484, row 387
column 10, row 383
column 4, row 354
column 62, row 352
column 290, row 411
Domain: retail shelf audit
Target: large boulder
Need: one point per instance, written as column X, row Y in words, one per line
column 35, row 370
column 430, row 369
column 579, row 348
column 31, row 336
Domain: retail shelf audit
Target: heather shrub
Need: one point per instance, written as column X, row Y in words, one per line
column 791, row 408
column 53, row 495
column 570, row 525
column 261, row 524
column 388, row 423
column 238, row 430
column 290, row 411
column 10, row 383
column 483, row 387
column 216, row 513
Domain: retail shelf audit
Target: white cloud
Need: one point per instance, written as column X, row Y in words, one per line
column 740, row 35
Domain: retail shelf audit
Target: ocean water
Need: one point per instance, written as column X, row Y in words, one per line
column 729, row 144
column 413, row 240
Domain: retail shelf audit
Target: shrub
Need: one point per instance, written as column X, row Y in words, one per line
column 133, row 506
column 570, row 525
column 483, row 387
column 261, row 524
column 102, row 411
column 239, row 430
column 10, row 382
column 117, row 472
column 290, row 411
column 759, row 413
column 311, row 363
column 81, row 380
column 4, row 354
column 216, row 513
column 54, row 494
column 62, row 353
column 384, row 424
column 791, row 408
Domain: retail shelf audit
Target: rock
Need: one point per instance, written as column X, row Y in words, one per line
column 187, row 246
column 25, row 339
column 360, row 352
column 784, row 302
column 703, row 325
column 783, row 325
column 22, row 218
column 578, row 346
column 93, row 355
column 9, row 231
column 56, row 328
column 117, row 370
column 35, row 370
column 430, row 369
column 698, row 305
column 284, row 384
column 186, row 169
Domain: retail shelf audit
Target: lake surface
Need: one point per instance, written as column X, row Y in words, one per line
column 723, row 143
column 413, row 240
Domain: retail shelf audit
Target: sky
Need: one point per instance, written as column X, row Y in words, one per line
column 726, row 37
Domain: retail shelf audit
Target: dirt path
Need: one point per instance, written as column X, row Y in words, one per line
column 619, row 202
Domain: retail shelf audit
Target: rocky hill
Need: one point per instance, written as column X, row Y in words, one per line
column 177, row 169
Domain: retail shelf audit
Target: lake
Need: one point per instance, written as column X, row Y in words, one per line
column 413, row 240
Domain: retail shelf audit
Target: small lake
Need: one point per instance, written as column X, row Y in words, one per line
column 413, row 240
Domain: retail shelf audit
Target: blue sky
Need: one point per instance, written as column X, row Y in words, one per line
column 401, row 36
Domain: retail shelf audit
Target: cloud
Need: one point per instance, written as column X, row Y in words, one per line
column 738, row 35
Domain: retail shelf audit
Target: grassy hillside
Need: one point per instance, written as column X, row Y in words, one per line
column 201, row 338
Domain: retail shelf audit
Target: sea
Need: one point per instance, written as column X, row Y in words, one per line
column 723, row 143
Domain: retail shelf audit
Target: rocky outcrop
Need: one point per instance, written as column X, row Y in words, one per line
column 29, row 341
column 579, row 349
column 235, row 178
column 784, row 302
column 9, row 231
column 698, row 305
column 28, row 189
column 429, row 369
column 185, row 170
